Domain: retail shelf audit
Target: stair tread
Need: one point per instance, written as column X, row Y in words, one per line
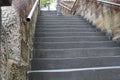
column 80, row 49
column 62, row 22
column 65, row 29
column 105, row 73
column 63, row 26
column 71, row 38
column 76, row 52
column 60, row 34
column 63, row 45
column 71, row 63
column 69, row 23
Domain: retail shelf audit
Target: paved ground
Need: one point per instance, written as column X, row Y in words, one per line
column 52, row 6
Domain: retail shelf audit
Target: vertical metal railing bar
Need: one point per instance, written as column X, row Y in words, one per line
column 0, row 30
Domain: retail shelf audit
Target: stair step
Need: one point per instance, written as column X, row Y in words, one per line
column 61, row 20
column 71, row 38
column 69, row 45
column 63, row 23
column 64, row 26
column 99, row 73
column 42, row 11
column 62, row 34
column 48, row 13
column 60, row 17
column 76, row 52
column 71, row 63
column 66, row 30
column 70, row 30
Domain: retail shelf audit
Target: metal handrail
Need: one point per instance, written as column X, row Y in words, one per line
column 74, row 4
column 111, row 3
column 70, row 9
column 65, row 7
column 32, row 11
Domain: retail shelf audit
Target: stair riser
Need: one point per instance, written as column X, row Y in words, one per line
column 63, row 26
column 65, row 23
column 66, row 30
column 73, row 53
column 109, row 74
column 51, row 63
column 66, row 45
column 49, row 20
column 60, row 21
column 65, row 39
column 66, row 34
column 48, row 12
column 45, row 14
column 60, row 17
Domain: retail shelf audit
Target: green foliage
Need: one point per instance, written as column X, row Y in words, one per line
column 43, row 2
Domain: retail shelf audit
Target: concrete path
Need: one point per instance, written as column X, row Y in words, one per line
column 52, row 6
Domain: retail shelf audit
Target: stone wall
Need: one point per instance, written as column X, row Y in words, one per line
column 17, row 40
column 106, row 17
column 3, row 57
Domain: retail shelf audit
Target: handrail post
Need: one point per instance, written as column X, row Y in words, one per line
column 0, row 27
column 58, row 7
column 58, row 2
column 39, row 7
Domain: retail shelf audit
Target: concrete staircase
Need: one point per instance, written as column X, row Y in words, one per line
column 70, row 48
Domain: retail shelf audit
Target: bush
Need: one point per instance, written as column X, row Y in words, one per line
column 44, row 2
